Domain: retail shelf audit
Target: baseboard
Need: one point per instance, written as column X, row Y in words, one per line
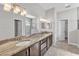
column 74, row 44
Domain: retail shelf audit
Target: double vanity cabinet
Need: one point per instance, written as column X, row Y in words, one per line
column 34, row 45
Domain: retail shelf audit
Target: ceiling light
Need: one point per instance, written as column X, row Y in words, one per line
column 67, row 5
column 7, row 7
column 23, row 12
column 16, row 9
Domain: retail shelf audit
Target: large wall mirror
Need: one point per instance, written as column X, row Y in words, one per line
column 45, row 25
column 28, row 26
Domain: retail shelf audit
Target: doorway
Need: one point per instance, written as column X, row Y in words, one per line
column 18, row 27
column 66, row 29
column 63, row 30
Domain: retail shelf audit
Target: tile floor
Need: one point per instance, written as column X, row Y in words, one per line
column 62, row 48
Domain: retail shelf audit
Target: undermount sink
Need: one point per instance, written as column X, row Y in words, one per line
column 22, row 43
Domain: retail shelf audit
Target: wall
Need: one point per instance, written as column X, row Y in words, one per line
column 6, row 27
column 78, row 13
column 74, row 35
column 51, row 15
column 33, row 9
column 36, row 10
column 71, row 15
column 7, row 22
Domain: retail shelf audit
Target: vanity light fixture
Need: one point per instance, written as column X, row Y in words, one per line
column 30, row 16
column 16, row 9
column 44, row 20
column 7, row 7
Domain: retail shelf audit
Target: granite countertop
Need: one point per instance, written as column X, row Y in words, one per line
column 10, row 48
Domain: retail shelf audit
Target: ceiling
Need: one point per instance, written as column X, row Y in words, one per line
column 58, row 6
column 47, row 6
column 39, row 8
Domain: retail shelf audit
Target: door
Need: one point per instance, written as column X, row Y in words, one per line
column 18, row 27
column 63, row 29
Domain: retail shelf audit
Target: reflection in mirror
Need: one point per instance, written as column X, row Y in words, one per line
column 18, row 27
column 28, row 24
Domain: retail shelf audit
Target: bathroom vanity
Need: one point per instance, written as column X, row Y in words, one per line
column 34, row 45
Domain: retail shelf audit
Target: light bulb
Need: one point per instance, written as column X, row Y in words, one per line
column 16, row 9
column 23, row 12
column 7, row 7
